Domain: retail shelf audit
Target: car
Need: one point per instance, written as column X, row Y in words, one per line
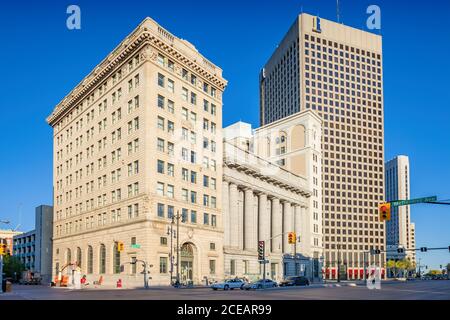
column 229, row 284
column 260, row 284
column 294, row 281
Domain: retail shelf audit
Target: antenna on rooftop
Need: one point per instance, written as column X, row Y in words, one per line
column 337, row 11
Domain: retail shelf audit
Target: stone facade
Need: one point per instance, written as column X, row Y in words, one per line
column 267, row 201
column 336, row 71
column 137, row 143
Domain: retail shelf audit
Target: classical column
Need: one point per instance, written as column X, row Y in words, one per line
column 264, row 221
column 298, row 226
column 234, row 215
column 287, row 227
column 240, row 220
column 277, row 221
column 249, row 221
column 226, row 213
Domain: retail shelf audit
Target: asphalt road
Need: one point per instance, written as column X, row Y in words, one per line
column 411, row 290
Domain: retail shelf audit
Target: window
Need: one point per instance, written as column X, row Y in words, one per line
column 233, row 267
column 160, row 166
column 212, row 246
column 170, row 126
column 161, row 123
column 170, row 106
column 163, row 241
column 170, row 212
column 170, row 169
column 184, row 194
column 160, row 189
column 160, row 101
column 212, row 267
column 193, row 98
column 170, row 85
column 185, row 174
column 184, row 215
column 133, row 265
column 213, row 220
column 161, row 79
column 206, row 181
column 161, row 60
column 193, row 79
column 193, row 177
column 184, row 113
column 184, row 94
column 160, row 145
column 193, row 197
column 170, row 192
column 102, row 264
column 160, row 210
column 206, row 218
column 193, row 216
column 90, row 260
column 163, row 265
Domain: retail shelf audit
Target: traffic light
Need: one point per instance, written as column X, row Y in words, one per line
column 3, row 249
column 423, row 249
column 292, row 237
column 384, row 210
column 261, row 250
column 375, row 251
column 120, row 246
column 400, row 250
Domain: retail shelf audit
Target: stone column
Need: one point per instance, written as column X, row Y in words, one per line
column 249, row 222
column 234, row 215
column 277, row 226
column 264, row 221
column 226, row 213
column 287, row 227
column 298, row 226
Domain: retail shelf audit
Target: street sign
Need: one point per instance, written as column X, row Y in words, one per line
column 135, row 246
column 412, row 201
column 263, row 261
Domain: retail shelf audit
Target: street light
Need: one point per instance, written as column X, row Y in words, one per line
column 172, row 234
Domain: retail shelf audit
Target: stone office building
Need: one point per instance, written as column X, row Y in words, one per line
column 136, row 143
column 266, row 200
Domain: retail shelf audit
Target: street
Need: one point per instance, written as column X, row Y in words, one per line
column 411, row 290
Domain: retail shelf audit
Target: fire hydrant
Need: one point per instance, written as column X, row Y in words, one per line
column 119, row 283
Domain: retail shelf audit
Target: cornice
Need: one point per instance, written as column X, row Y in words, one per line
column 138, row 39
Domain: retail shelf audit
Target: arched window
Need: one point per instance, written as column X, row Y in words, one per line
column 102, row 259
column 116, row 259
column 78, row 257
column 90, row 260
column 68, row 256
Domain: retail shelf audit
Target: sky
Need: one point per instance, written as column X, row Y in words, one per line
column 42, row 60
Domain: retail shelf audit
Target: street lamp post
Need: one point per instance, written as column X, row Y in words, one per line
column 178, row 247
column 170, row 232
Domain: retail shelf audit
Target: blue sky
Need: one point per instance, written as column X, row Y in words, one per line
column 42, row 60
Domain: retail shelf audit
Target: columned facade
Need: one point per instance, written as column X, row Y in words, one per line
column 262, row 207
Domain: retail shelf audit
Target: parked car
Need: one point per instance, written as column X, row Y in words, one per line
column 229, row 284
column 260, row 284
column 294, row 281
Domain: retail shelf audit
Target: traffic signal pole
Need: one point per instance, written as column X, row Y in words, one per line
column 1, row 273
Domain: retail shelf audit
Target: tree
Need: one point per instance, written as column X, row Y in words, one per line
column 391, row 265
column 12, row 265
